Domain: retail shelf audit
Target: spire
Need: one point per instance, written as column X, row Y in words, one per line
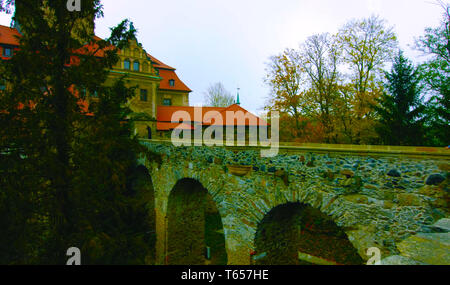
column 238, row 102
column 15, row 23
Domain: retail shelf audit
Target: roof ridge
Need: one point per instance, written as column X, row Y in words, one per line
column 159, row 62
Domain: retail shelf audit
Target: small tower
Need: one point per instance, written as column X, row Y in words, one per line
column 238, row 102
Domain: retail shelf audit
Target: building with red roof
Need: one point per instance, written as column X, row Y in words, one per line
column 160, row 93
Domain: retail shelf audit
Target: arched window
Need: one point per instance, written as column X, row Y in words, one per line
column 126, row 64
column 136, row 66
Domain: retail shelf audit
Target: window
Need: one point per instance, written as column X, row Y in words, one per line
column 7, row 52
column 172, row 82
column 94, row 94
column 144, row 95
column 167, row 102
column 136, row 66
column 2, row 86
column 126, row 64
column 145, row 67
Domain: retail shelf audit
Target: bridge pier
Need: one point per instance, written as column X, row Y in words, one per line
column 237, row 254
column 161, row 236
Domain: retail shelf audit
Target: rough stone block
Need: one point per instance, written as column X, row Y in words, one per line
column 406, row 199
column 430, row 248
column 443, row 224
column 359, row 199
column 400, row 260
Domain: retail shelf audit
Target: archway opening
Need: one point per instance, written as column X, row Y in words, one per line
column 141, row 188
column 195, row 231
column 298, row 234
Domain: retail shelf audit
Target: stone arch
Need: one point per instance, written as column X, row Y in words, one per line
column 195, row 234
column 295, row 233
column 141, row 185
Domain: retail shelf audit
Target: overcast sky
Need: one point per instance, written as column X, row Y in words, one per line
column 231, row 40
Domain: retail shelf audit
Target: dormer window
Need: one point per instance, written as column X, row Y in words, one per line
column 126, row 64
column 172, row 82
column 7, row 52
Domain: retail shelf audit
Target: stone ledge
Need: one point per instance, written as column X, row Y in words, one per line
column 341, row 148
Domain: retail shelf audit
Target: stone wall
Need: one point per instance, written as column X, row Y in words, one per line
column 378, row 200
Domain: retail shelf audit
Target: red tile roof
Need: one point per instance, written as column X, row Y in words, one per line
column 165, row 113
column 8, row 36
column 168, row 75
column 159, row 64
column 249, row 119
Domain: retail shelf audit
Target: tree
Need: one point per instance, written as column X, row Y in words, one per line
column 367, row 45
column 5, row 5
column 436, row 72
column 286, row 78
column 51, row 143
column 320, row 57
column 217, row 96
column 400, row 108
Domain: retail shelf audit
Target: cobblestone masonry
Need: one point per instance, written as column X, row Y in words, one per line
column 378, row 200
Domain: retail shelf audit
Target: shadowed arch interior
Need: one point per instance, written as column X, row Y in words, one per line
column 298, row 234
column 195, row 232
column 141, row 186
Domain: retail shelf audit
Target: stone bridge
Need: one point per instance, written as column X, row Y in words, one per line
column 319, row 204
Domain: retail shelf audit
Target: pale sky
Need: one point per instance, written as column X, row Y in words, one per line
column 231, row 40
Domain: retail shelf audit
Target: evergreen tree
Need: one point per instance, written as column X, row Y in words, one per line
column 400, row 108
column 63, row 167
